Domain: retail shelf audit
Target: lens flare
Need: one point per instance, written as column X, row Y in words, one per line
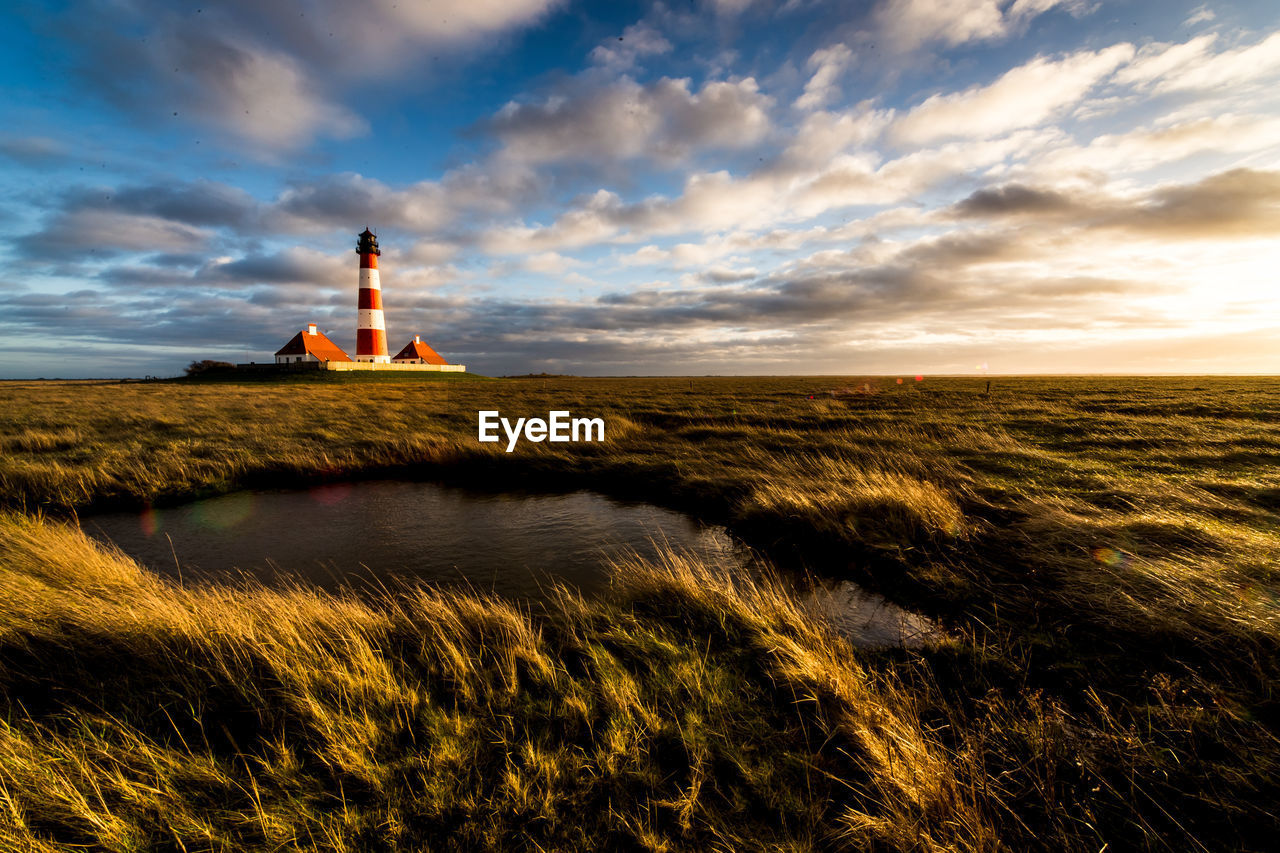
column 1110, row 557
column 222, row 513
column 149, row 523
column 331, row 493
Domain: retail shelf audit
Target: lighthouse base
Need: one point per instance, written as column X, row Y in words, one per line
column 378, row 365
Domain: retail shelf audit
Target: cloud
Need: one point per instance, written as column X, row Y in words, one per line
column 1024, row 96
column 342, row 199
column 638, row 40
column 198, row 202
column 860, row 180
column 1145, row 148
column 289, row 266
column 1013, row 200
column 1191, row 67
column 266, row 97
column 1200, row 14
column 826, row 64
column 717, row 201
column 824, row 135
column 908, row 24
column 549, row 263
column 664, row 120
column 33, row 150
column 1158, row 59
column 592, row 220
column 1236, row 204
column 728, row 275
column 82, row 232
column 263, row 72
column 381, row 28
column 730, row 7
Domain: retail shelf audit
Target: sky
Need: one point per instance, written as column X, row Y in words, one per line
column 697, row 187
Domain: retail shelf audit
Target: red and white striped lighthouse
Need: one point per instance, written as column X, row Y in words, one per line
column 371, row 328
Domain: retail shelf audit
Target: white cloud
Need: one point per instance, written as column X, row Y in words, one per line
column 591, row 222
column 730, row 7
column 379, row 36
column 1145, row 148
column 857, row 180
column 823, row 135
column 908, row 24
column 1200, row 14
column 911, row 23
column 826, row 64
column 549, row 263
column 1156, row 60
column 664, row 120
column 1191, row 67
column 717, row 201
column 1023, row 97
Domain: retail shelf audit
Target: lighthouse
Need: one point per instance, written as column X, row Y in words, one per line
column 310, row 349
column 371, row 328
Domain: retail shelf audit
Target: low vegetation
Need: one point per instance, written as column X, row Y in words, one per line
column 1102, row 553
column 681, row 711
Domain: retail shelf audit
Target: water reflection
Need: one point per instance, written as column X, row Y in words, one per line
column 514, row 545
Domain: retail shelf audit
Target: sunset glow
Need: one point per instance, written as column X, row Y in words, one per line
column 728, row 186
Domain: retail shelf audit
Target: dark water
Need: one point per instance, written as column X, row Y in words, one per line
column 514, row 545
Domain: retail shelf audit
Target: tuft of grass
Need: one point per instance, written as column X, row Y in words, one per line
column 853, row 501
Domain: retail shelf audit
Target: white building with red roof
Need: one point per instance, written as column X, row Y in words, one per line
column 417, row 351
column 310, row 345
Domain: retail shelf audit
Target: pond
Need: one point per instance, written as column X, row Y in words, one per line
column 514, row 545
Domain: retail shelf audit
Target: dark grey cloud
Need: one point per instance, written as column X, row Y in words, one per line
column 1235, row 203
column 139, row 276
column 1013, row 200
column 292, row 266
column 1238, row 203
column 37, row 151
column 194, row 203
column 99, row 232
column 269, row 74
column 176, row 221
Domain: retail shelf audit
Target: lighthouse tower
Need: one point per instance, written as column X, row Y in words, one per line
column 371, row 328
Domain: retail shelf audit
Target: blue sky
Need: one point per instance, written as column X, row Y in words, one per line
column 715, row 186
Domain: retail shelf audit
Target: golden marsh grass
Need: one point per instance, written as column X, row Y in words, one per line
column 1102, row 553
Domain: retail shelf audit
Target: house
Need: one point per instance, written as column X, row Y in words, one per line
column 418, row 352
column 310, row 345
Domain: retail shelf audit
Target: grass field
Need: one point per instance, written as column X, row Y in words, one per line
column 1103, row 554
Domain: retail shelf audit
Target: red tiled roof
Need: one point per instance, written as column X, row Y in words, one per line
column 317, row 345
column 419, row 349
